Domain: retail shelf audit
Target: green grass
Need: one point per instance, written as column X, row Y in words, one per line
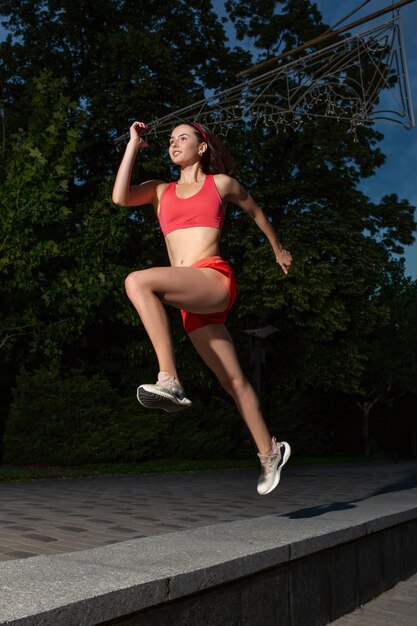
column 14, row 473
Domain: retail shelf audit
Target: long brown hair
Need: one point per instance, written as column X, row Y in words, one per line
column 216, row 159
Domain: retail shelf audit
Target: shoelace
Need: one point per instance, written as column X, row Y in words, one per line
column 171, row 384
column 267, row 461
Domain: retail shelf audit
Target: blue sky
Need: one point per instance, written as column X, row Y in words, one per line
column 399, row 173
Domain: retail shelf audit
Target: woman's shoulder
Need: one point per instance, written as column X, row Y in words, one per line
column 222, row 177
column 153, row 183
column 224, row 180
column 225, row 184
column 160, row 186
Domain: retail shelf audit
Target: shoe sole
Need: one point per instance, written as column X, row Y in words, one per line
column 160, row 400
column 283, row 461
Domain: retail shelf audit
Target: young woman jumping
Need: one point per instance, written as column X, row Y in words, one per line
column 199, row 282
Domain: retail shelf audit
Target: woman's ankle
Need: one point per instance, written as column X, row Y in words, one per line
column 271, row 448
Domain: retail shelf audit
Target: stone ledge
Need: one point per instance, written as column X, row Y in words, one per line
column 94, row 586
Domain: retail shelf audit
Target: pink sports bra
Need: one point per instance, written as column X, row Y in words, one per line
column 204, row 208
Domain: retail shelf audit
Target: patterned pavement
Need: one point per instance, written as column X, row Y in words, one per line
column 55, row 516
column 396, row 607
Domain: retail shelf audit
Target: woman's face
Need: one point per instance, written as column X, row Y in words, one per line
column 184, row 146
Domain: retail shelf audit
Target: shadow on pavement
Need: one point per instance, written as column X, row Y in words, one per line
column 409, row 481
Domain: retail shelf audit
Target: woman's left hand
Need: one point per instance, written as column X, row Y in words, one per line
column 284, row 259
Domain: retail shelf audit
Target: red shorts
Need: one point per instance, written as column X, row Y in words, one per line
column 192, row 321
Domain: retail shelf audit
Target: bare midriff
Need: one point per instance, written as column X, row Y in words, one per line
column 187, row 245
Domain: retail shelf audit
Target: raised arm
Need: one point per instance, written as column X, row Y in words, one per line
column 124, row 193
column 232, row 191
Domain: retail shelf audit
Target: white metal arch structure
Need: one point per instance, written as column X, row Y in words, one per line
column 361, row 78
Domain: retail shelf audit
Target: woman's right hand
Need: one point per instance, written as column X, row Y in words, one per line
column 136, row 134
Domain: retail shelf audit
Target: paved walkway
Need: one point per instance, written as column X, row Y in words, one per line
column 396, row 607
column 53, row 516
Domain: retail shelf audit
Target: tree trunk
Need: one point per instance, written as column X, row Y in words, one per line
column 366, row 409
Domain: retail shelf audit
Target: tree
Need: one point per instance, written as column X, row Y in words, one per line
column 37, row 175
column 122, row 60
column 391, row 353
column 272, row 28
column 59, row 260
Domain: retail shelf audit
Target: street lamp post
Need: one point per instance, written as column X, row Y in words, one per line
column 259, row 353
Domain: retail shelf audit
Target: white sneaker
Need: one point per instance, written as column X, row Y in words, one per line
column 272, row 465
column 167, row 394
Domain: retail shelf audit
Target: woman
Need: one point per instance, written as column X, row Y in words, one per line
column 199, row 282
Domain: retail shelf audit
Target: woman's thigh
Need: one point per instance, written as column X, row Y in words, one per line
column 198, row 290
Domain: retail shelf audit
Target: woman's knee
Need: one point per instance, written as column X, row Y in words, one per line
column 130, row 281
column 136, row 282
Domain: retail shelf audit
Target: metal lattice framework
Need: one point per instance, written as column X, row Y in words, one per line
column 360, row 79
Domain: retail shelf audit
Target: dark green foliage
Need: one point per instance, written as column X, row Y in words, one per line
column 75, row 420
column 211, row 430
column 275, row 25
column 60, row 262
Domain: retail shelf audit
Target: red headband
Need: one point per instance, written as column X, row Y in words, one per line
column 200, row 130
